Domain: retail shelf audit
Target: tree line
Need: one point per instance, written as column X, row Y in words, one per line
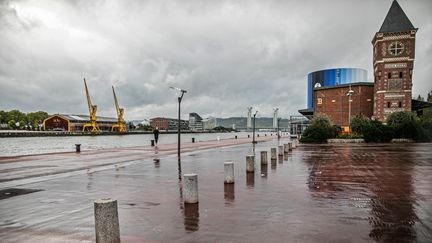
column 16, row 119
column 428, row 97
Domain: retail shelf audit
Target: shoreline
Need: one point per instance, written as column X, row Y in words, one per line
column 20, row 133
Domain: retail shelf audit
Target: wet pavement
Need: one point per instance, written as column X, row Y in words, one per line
column 316, row 193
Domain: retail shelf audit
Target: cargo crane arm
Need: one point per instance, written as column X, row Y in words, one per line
column 93, row 126
column 89, row 103
column 116, row 102
column 120, row 126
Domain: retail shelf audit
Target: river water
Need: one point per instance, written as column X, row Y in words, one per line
column 40, row 145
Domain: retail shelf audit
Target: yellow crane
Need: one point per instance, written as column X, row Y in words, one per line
column 120, row 126
column 92, row 126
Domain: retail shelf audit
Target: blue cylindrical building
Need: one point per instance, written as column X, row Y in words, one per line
column 333, row 77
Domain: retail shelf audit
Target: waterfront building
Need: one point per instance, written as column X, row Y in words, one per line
column 75, row 123
column 332, row 77
column 195, row 122
column 168, row 123
column 334, row 102
column 209, row 123
column 393, row 63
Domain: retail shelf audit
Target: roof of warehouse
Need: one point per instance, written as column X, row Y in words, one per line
column 85, row 118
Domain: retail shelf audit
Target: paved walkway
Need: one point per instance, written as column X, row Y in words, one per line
column 316, row 193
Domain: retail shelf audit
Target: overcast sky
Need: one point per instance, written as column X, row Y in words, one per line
column 228, row 55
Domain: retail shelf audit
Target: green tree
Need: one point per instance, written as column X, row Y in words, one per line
column 16, row 115
column 359, row 124
column 405, row 124
column 429, row 96
column 420, row 98
column 12, row 124
column 4, row 117
column 36, row 118
column 375, row 131
column 425, row 133
column 319, row 130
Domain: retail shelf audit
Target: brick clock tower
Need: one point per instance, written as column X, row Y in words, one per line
column 393, row 62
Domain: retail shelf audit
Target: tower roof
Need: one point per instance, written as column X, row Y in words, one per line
column 396, row 20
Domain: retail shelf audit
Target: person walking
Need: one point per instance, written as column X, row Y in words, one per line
column 156, row 134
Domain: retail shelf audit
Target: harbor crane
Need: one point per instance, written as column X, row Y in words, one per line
column 120, row 126
column 92, row 126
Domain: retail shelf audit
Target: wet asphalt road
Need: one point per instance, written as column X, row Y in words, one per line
column 316, row 193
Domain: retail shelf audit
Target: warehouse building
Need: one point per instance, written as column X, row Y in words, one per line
column 75, row 123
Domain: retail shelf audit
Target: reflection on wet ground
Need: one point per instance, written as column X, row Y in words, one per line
column 325, row 193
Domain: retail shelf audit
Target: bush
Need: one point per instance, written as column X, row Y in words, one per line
column 405, row 124
column 319, row 130
column 375, row 131
column 359, row 124
column 315, row 134
column 425, row 127
column 353, row 135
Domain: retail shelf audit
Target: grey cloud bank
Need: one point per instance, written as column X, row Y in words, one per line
column 228, row 54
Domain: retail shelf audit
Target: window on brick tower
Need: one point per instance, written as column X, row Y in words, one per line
column 388, row 104
column 389, row 75
column 400, row 75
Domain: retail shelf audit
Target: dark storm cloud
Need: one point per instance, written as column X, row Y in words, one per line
column 228, row 54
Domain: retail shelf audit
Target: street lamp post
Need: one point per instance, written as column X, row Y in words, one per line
column 253, row 135
column 349, row 94
column 178, row 125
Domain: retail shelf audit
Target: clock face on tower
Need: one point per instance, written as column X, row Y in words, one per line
column 396, row 48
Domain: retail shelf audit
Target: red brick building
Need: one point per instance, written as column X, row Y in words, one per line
column 163, row 123
column 333, row 101
column 393, row 62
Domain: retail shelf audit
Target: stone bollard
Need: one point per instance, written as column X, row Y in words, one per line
column 273, row 153
column 193, row 140
column 190, row 188
column 264, row 157
column 106, row 221
column 289, row 146
column 294, row 144
column 280, row 150
column 78, row 148
column 229, row 172
column 152, row 142
column 286, row 148
column 250, row 163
